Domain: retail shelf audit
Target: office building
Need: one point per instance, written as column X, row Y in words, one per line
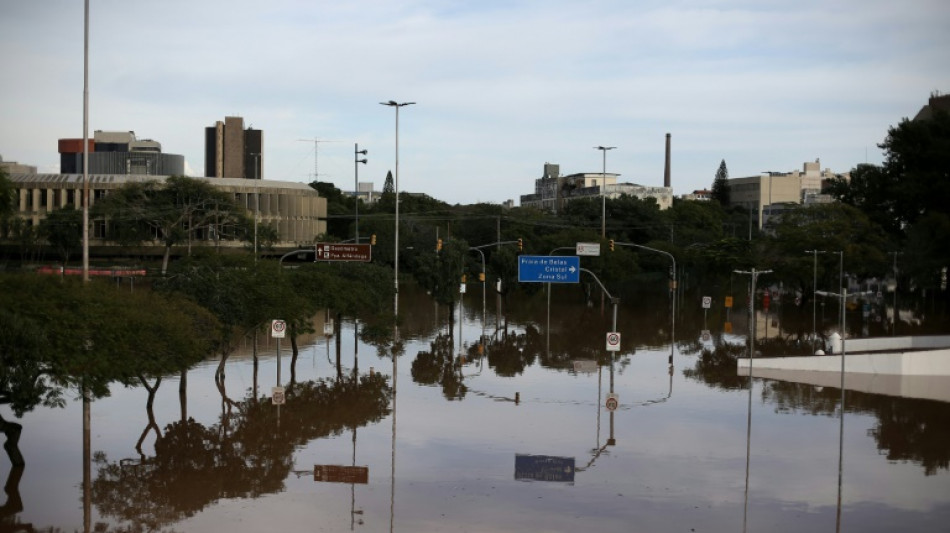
column 232, row 151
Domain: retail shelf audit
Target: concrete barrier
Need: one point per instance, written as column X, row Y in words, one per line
column 919, row 363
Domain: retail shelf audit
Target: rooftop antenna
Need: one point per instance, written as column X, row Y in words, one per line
column 316, row 145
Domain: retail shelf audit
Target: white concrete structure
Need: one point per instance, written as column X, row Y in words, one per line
column 917, row 367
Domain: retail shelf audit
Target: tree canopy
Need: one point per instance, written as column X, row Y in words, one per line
column 172, row 212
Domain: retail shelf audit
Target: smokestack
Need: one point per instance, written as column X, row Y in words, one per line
column 666, row 169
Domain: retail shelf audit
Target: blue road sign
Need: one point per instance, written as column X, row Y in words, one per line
column 544, row 468
column 549, row 269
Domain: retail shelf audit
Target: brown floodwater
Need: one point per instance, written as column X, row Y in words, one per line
column 511, row 421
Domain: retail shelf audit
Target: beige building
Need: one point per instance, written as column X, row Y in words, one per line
column 297, row 210
column 768, row 193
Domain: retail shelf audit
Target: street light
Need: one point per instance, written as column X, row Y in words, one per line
column 603, row 197
column 754, row 274
column 814, row 299
column 396, row 105
column 356, row 183
column 843, row 296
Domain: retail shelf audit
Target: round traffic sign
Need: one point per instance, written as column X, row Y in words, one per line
column 613, row 338
column 613, row 401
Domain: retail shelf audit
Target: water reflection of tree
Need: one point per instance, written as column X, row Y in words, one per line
column 510, row 355
column 246, row 454
column 718, row 367
column 907, row 429
column 439, row 366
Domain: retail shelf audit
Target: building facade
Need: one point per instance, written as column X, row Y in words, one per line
column 231, row 151
column 119, row 152
column 295, row 209
column 552, row 191
column 768, row 193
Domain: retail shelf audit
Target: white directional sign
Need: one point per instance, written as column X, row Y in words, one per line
column 588, row 248
column 613, row 341
column 278, row 328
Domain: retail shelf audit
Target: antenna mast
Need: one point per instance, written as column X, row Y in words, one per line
column 316, row 144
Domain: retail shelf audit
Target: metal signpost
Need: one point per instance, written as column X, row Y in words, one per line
column 332, row 251
column 278, row 329
column 549, row 269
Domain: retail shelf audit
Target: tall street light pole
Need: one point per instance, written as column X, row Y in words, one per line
column 85, row 147
column 356, row 184
column 603, row 196
column 396, row 105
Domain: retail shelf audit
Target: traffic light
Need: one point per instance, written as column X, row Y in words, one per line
column 481, row 277
column 520, row 245
column 372, row 239
column 463, row 278
column 611, row 245
column 438, row 245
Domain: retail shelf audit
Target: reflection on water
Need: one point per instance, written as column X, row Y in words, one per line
column 245, row 454
column 699, row 448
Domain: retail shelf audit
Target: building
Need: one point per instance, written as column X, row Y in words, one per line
column 295, row 209
column 552, row 191
column 231, row 151
column 768, row 193
column 366, row 192
column 703, row 195
column 119, row 152
column 12, row 167
column 937, row 102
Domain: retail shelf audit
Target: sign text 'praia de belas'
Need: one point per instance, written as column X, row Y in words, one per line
column 549, row 269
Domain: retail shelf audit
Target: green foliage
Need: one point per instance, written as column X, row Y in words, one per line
column 440, row 273
column 62, row 229
column 829, row 227
column 90, row 335
column 720, row 187
column 246, row 295
column 172, row 212
column 8, row 205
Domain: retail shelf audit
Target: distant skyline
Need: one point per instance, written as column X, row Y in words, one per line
column 501, row 87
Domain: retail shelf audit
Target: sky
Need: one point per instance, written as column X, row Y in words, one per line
column 500, row 87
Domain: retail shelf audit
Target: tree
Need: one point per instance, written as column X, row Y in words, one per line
column 171, row 212
column 62, row 229
column 76, row 341
column 720, row 186
column 823, row 227
column 7, row 196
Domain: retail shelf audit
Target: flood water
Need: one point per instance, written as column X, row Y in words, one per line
column 514, row 437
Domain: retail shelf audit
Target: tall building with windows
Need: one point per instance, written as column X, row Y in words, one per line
column 119, row 152
column 231, row 151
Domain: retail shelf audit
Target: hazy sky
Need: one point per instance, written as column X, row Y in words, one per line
column 501, row 86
